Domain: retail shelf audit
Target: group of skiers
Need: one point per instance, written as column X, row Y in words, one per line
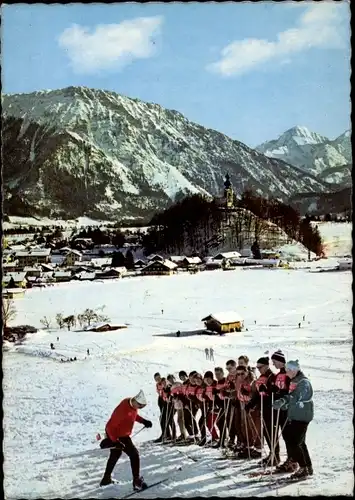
column 241, row 410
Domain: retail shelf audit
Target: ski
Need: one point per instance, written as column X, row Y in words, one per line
column 136, row 492
column 284, row 481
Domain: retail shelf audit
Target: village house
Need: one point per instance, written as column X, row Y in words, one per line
column 190, row 262
column 31, row 257
column 177, row 259
column 32, row 271
column 13, row 293
column 111, row 273
column 224, row 322
column 159, row 268
column 71, row 257
column 139, row 263
column 155, row 257
column 84, row 276
column 227, row 255
column 101, row 262
column 62, row 276
column 10, row 267
column 14, row 280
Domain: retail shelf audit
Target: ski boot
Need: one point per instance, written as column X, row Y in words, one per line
column 288, row 466
column 302, row 473
column 254, row 453
column 202, row 442
column 267, row 461
column 106, row 480
column 139, row 484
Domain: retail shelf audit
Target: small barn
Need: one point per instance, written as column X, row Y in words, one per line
column 224, row 322
column 104, row 327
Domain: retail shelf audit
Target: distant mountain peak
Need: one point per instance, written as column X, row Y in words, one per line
column 310, row 151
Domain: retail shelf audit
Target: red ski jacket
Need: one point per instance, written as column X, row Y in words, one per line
column 122, row 420
column 209, row 390
column 160, row 389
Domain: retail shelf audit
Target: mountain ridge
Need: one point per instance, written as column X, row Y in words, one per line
column 78, row 151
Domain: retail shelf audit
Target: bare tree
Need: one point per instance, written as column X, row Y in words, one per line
column 46, row 322
column 70, row 321
column 90, row 316
column 8, row 311
column 60, row 320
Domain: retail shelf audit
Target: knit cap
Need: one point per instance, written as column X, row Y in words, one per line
column 279, row 356
column 293, row 366
column 263, row 361
column 208, row 375
column 140, row 398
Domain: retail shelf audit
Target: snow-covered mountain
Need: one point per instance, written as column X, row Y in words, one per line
column 312, row 152
column 79, row 151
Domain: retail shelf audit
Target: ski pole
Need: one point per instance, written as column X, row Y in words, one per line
column 246, row 427
column 166, row 406
column 276, row 438
column 226, row 410
column 272, row 431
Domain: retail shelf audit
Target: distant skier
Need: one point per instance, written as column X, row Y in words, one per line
column 304, row 317
column 162, row 311
column 74, row 359
column 178, row 333
column 57, row 339
column 88, row 351
column 211, row 354
column 207, row 352
column 299, row 325
column 255, row 321
column 52, row 345
column 118, row 432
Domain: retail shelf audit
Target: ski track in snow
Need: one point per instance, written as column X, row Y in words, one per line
column 53, row 410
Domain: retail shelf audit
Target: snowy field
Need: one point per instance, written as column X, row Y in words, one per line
column 53, row 410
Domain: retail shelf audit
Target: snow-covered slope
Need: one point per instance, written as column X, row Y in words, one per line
column 53, row 410
column 77, row 150
column 312, row 152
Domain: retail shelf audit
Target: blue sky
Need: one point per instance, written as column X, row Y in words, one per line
column 249, row 70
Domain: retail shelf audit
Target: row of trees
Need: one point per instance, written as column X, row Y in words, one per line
column 192, row 222
column 84, row 319
column 120, row 260
column 200, row 224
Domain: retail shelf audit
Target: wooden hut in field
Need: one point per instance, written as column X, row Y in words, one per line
column 224, row 322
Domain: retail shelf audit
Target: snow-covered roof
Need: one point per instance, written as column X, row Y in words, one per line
column 193, row 260
column 17, row 277
column 152, row 256
column 101, row 261
column 227, row 255
column 62, row 274
column 177, row 258
column 35, row 253
column 95, row 326
column 166, row 263
column 224, row 317
column 75, row 252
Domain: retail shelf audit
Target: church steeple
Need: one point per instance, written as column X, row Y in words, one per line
column 228, row 192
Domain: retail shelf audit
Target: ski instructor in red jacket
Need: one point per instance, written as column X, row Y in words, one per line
column 118, row 432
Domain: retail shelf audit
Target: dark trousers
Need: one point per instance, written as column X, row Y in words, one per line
column 161, row 406
column 295, row 435
column 167, row 421
column 282, row 428
column 229, row 423
column 202, row 422
column 269, row 432
column 188, row 421
column 220, row 422
column 124, row 444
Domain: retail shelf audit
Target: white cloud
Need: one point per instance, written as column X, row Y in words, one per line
column 110, row 45
column 318, row 27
